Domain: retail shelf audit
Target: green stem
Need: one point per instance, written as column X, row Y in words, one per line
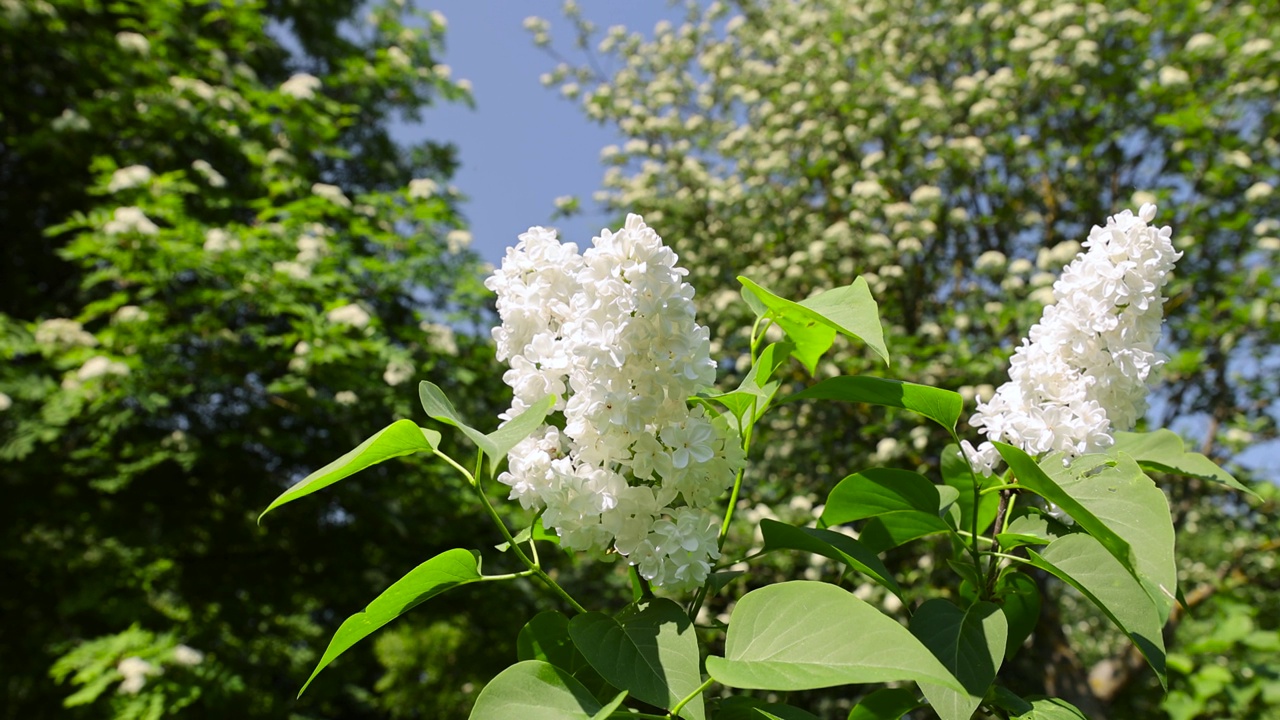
column 675, row 711
column 534, row 568
column 998, row 488
column 974, row 552
column 627, row 713
column 506, row 576
column 470, row 478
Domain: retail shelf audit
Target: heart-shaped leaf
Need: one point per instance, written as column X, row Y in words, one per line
column 812, row 325
column 653, row 654
column 970, row 643
column 402, row 437
column 496, row 444
column 803, row 635
column 536, row 690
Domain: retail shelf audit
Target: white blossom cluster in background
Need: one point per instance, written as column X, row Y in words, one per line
column 1082, row 372
column 611, row 333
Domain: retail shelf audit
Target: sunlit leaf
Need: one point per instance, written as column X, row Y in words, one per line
column 970, row 643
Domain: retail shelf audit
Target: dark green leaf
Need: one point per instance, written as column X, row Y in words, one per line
column 804, row 635
column 401, row 437
column 745, row 708
column 970, row 643
column 941, row 406
column 1019, row 598
column 829, row 544
column 1084, row 563
column 546, row 638
column 652, row 654
column 442, row 572
column 903, row 506
column 886, row 704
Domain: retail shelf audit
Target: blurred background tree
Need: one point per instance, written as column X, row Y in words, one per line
column 954, row 154
column 221, row 272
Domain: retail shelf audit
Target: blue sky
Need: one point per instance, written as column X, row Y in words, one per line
column 523, row 145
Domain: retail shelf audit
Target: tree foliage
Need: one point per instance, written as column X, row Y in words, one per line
column 220, row 264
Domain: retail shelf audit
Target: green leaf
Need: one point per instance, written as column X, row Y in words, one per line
column 803, row 635
column 1019, row 598
column 970, row 643
column 1117, row 492
column 755, row 390
column 1050, row 709
column 813, row 325
column 546, row 638
column 829, row 544
column 1030, row 528
column 852, row 311
column 535, row 690
column 746, row 708
column 941, row 406
column 496, row 444
column 903, row 506
column 886, row 704
column 402, row 437
column 1163, row 451
column 956, row 473
column 1084, row 563
column 442, row 572
column 1119, row 505
column 652, row 654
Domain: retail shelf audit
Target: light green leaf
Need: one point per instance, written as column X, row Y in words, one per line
column 1163, row 451
column 1030, row 528
column 970, row 643
column 402, row 437
column 1083, row 562
column 849, row 311
column 653, row 654
column 496, row 444
column 442, row 572
column 1117, row 492
column 1117, row 504
column 804, row 635
column 1035, row 708
column 756, row 390
column 830, row 544
column 941, row 406
column 886, row 704
column 535, row 690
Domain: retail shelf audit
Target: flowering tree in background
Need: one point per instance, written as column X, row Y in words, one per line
column 218, row 264
column 953, row 154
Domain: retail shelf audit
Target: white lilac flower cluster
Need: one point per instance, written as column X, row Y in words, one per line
column 1082, row 373
column 611, row 333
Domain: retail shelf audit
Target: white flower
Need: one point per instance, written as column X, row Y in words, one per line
column 352, row 315
column 129, row 314
column 440, row 337
column 62, row 332
column 129, row 177
column 332, row 193
column 1171, row 76
column 301, row 86
column 217, row 240
column 422, row 188
column 346, row 397
column 611, row 333
column 1258, row 191
column 397, row 372
column 133, row 42
column 211, row 176
column 129, row 219
column 6, row 402
column 1082, row 372
column 100, row 365
column 188, row 656
column 135, row 671
column 70, row 121
column 991, row 261
column 458, row 240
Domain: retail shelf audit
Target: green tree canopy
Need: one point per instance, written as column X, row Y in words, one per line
column 221, row 268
